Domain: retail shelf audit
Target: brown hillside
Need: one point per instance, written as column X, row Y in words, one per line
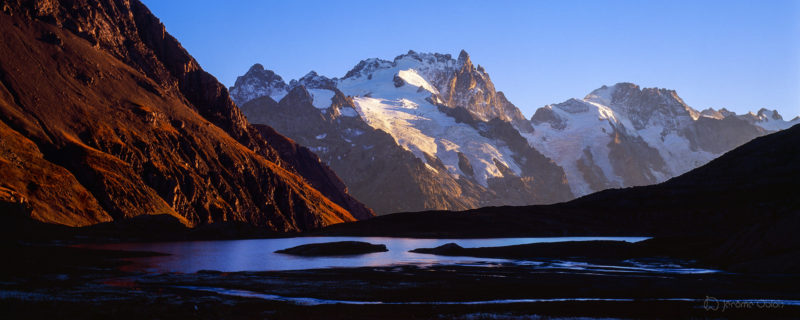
column 103, row 115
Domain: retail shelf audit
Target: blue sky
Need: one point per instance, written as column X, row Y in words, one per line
column 742, row 55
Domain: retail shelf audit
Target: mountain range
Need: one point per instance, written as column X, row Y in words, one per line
column 104, row 116
column 429, row 131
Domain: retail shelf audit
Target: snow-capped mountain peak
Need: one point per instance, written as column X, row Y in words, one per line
column 366, row 67
column 630, row 96
column 644, row 107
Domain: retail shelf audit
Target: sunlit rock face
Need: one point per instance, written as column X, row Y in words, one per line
column 128, row 124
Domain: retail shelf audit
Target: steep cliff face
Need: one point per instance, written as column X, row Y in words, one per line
column 104, row 116
column 471, row 88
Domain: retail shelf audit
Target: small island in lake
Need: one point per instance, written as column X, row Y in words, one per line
column 587, row 249
column 339, row 248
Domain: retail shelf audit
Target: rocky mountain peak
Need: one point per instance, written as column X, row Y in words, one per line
column 424, row 61
column 643, row 105
column 366, row 67
column 258, row 72
column 726, row 113
column 258, row 82
column 572, row 105
column 765, row 113
column 255, row 68
column 464, row 60
column 312, row 80
column 711, row 113
column 624, row 91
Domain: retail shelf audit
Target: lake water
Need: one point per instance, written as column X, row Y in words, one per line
column 259, row 254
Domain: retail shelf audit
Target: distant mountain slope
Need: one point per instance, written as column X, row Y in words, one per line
column 103, row 115
column 423, row 131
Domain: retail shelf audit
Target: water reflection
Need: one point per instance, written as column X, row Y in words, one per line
column 258, row 254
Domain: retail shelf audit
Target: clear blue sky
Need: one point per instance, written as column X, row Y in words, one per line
column 742, row 55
